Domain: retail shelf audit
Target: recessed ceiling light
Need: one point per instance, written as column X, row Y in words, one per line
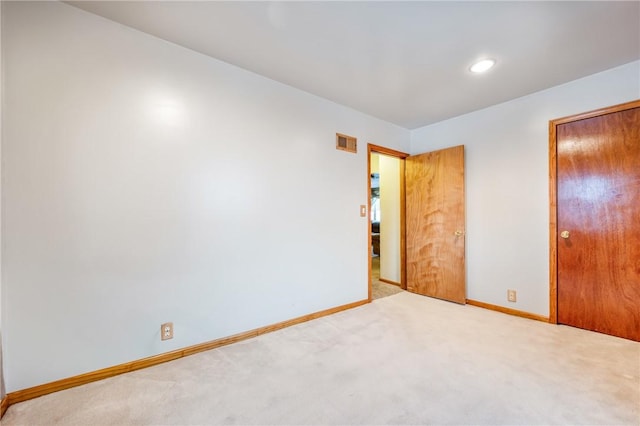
column 482, row 66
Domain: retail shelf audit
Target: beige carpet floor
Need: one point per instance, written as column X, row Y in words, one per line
column 403, row 359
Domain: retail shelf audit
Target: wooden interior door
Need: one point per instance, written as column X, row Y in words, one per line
column 598, row 223
column 435, row 224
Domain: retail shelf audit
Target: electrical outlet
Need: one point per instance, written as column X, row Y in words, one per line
column 511, row 295
column 166, row 331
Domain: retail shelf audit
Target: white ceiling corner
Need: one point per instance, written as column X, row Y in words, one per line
column 403, row 62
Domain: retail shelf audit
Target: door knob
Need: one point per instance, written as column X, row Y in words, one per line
column 457, row 233
column 564, row 234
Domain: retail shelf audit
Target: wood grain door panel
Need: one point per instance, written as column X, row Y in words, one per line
column 435, row 224
column 598, row 196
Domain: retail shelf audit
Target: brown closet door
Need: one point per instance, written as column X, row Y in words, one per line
column 598, row 175
column 434, row 185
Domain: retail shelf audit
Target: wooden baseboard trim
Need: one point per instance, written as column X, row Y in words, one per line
column 58, row 385
column 384, row 280
column 508, row 311
column 4, row 404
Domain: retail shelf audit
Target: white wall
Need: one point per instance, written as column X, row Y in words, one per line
column 2, row 387
column 145, row 183
column 390, row 218
column 375, row 163
column 507, row 195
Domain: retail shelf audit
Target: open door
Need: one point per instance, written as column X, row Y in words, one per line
column 435, row 224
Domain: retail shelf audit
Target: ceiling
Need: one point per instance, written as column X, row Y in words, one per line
column 403, row 62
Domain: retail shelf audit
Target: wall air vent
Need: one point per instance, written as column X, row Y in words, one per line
column 346, row 143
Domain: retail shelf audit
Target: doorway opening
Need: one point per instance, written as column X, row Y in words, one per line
column 386, row 222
